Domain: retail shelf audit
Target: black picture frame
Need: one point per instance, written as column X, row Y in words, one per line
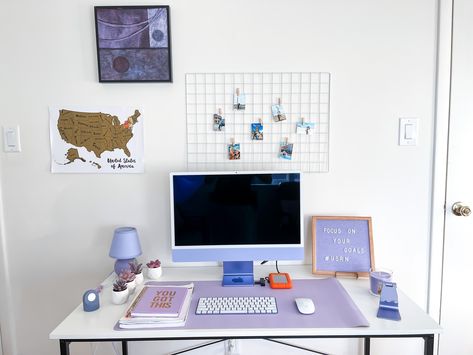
column 133, row 43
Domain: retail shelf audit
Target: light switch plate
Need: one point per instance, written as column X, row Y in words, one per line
column 11, row 139
column 408, row 131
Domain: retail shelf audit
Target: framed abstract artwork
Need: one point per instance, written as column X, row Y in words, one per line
column 133, row 43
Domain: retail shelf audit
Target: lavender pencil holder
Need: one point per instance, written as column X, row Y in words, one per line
column 377, row 279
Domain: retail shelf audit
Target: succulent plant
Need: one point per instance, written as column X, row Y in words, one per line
column 154, row 264
column 119, row 285
column 127, row 276
column 136, row 268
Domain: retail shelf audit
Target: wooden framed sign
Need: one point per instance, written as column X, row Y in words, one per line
column 342, row 246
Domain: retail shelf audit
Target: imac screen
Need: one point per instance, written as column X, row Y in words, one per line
column 236, row 209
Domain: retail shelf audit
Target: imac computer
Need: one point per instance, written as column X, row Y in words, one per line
column 236, row 218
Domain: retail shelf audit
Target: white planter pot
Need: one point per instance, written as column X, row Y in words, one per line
column 131, row 287
column 119, row 297
column 139, row 279
column 155, row 273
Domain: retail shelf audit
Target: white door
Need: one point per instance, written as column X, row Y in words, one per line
column 456, row 314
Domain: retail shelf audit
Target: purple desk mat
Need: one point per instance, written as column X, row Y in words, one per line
column 334, row 307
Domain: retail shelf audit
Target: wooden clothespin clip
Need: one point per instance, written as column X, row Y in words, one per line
column 232, row 141
column 260, row 121
column 237, row 91
column 285, row 140
column 302, row 118
column 279, row 101
column 220, row 111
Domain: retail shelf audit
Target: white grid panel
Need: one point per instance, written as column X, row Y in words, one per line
column 304, row 95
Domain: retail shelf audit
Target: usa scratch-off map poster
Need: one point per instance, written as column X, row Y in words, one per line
column 105, row 140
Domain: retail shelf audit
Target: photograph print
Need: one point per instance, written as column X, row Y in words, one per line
column 218, row 122
column 239, row 101
column 257, row 131
column 285, row 150
column 234, row 151
column 277, row 111
column 306, row 128
column 133, row 43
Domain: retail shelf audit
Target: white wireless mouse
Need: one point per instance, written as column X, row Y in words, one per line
column 305, row 305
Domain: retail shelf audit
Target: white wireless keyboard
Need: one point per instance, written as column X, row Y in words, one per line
column 237, row 305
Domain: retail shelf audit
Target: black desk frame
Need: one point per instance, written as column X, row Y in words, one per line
column 428, row 341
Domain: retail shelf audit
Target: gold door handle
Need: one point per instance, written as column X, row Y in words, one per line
column 459, row 209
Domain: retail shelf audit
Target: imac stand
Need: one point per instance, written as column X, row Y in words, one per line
column 238, row 273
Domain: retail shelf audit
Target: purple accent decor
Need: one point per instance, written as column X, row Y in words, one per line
column 343, row 245
column 377, row 280
column 122, row 265
column 238, row 273
column 239, row 254
column 334, row 307
column 160, row 301
column 133, row 43
column 236, row 216
column 125, row 245
column 388, row 302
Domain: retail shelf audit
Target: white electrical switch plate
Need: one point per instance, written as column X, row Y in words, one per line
column 408, row 131
column 11, row 139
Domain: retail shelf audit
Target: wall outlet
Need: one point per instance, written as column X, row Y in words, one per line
column 232, row 347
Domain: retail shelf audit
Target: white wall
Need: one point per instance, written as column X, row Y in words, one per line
column 57, row 228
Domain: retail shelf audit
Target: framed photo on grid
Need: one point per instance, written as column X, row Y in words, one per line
column 133, row 43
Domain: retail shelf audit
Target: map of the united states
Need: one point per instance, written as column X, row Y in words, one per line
column 96, row 139
column 97, row 132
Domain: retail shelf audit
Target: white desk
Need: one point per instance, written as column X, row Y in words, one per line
column 98, row 326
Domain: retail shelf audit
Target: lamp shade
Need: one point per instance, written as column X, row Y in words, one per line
column 125, row 243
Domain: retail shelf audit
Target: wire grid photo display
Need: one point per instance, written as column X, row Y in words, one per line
column 304, row 99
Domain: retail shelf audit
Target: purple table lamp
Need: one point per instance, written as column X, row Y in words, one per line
column 125, row 247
